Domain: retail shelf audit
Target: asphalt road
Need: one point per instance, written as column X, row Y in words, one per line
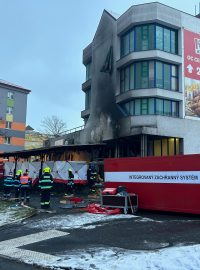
column 149, row 231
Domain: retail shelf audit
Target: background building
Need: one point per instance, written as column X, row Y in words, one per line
column 13, row 104
column 142, row 88
column 33, row 139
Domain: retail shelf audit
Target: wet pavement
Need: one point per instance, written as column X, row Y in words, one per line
column 147, row 231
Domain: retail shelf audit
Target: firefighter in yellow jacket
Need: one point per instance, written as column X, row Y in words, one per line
column 46, row 184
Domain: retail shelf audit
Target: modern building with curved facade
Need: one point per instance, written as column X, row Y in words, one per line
column 142, row 88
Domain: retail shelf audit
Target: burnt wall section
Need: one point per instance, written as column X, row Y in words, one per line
column 104, row 114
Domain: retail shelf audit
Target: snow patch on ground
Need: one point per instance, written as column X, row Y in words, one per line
column 10, row 213
column 175, row 258
column 75, row 221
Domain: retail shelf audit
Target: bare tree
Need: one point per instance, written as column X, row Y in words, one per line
column 53, row 126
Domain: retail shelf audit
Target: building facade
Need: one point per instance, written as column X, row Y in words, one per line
column 142, row 88
column 13, row 107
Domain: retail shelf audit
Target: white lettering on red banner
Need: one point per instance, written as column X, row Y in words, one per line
column 168, row 177
column 192, row 55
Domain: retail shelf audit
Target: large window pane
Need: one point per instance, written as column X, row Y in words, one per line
column 151, row 106
column 167, row 107
column 164, row 147
column 125, row 45
column 151, row 74
column 132, row 107
column 174, row 82
column 137, row 107
column 145, row 75
column 159, row 75
column 171, row 146
column 131, row 41
column 151, row 36
column 138, row 38
column 167, row 77
column 157, row 147
column 159, row 106
column 145, row 38
column 159, row 38
column 173, row 42
column 132, row 76
column 126, row 74
column 175, row 109
column 144, row 106
column 88, row 71
column 138, row 75
column 167, row 40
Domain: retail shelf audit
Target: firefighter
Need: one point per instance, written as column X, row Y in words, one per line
column 46, row 184
column 91, row 176
column 17, row 184
column 70, row 183
column 25, row 186
column 8, row 185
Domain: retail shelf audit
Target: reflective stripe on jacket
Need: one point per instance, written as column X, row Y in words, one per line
column 17, row 182
column 46, row 181
column 8, row 181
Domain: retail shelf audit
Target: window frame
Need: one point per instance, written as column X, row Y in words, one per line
column 137, row 47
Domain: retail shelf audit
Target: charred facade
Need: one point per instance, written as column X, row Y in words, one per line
column 135, row 89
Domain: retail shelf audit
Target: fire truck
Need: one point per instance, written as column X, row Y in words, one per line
column 170, row 183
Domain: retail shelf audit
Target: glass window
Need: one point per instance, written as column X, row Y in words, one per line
column 132, row 107
column 171, row 146
column 137, row 106
column 10, row 95
column 159, row 106
column 177, row 146
column 151, row 74
column 138, row 38
column 126, row 79
column 159, row 37
column 132, row 76
column 174, row 48
column 167, row 77
column 167, row 107
column 145, row 75
column 159, row 75
column 144, row 106
column 174, row 70
column 145, row 38
column 126, row 107
column 88, row 71
column 151, row 106
column 151, row 36
column 125, row 45
column 132, row 39
column 164, row 147
column 138, row 75
column 167, row 42
column 157, row 147
column 174, row 83
column 175, row 109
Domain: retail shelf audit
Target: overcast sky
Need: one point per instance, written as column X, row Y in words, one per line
column 41, row 44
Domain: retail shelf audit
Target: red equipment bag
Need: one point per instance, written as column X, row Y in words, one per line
column 95, row 208
column 109, row 191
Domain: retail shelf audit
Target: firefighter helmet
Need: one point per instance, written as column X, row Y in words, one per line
column 46, row 170
column 19, row 172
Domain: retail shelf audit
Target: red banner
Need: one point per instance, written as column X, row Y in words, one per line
column 192, row 55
